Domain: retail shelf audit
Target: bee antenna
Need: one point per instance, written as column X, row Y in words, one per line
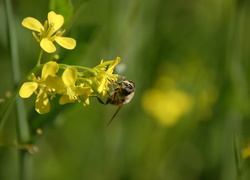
column 122, row 77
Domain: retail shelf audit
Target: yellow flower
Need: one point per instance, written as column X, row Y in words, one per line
column 103, row 76
column 71, row 91
column 49, row 33
column 28, row 88
column 69, row 77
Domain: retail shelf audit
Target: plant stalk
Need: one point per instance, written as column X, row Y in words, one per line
column 22, row 123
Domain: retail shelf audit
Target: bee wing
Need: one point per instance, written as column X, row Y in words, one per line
column 118, row 109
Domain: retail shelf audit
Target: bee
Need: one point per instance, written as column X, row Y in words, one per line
column 122, row 94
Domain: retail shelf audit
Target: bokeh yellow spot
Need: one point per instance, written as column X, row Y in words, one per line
column 167, row 106
column 246, row 152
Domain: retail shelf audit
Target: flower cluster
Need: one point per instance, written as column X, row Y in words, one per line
column 49, row 32
column 72, row 85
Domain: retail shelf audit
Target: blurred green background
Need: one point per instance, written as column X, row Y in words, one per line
column 190, row 62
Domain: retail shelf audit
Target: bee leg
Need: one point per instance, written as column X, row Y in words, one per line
column 99, row 99
column 118, row 109
column 108, row 101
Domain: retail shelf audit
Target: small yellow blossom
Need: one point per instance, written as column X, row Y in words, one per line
column 71, row 91
column 103, row 75
column 69, row 77
column 49, row 32
column 28, row 88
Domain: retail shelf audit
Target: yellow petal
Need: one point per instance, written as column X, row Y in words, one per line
column 47, row 45
column 28, row 89
column 56, row 20
column 69, row 76
column 66, row 42
column 42, row 103
column 102, row 84
column 83, row 91
column 33, row 24
column 50, row 68
column 86, row 102
column 65, row 99
column 113, row 64
column 70, row 91
column 55, row 82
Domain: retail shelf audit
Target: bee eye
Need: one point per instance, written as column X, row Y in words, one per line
column 128, row 85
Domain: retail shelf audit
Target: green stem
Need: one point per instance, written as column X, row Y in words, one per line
column 65, row 66
column 22, row 123
column 39, row 58
column 6, row 107
column 23, row 129
column 81, row 67
column 22, row 119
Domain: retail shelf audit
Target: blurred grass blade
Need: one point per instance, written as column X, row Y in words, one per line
column 236, row 154
column 22, row 119
column 22, row 123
